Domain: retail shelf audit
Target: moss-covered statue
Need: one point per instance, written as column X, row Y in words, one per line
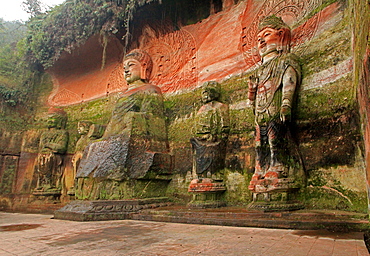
column 83, row 128
column 88, row 132
column 135, row 132
column 271, row 92
column 53, row 145
column 209, row 149
column 212, row 130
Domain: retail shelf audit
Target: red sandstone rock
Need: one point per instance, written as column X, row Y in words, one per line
column 213, row 49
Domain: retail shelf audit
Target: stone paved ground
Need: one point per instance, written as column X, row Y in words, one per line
column 35, row 234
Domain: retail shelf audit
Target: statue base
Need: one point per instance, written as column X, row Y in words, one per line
column 206, row 193
column 274, row 194
column 107, row 209
column 49, row 193
column 270, row 185
column 45, row 201
column 275, row 201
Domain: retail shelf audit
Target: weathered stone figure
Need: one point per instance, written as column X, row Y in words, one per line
column 271, row 92
column 136, row 130
column 212, row 129
column 209, row 149
column 53, row 144
column 83, row 128
column 88, row 132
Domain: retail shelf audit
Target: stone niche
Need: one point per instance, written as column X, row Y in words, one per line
column 90, row 72
column 326, row 126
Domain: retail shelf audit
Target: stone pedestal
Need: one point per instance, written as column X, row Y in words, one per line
column 274, row 194
column 273, row 184
column 45, row 195
column 275, row 201
column 206, row 193
column 42, row 201
column 107, row 209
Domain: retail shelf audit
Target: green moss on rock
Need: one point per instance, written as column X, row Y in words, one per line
column 332, row 100
column 96, row 189
column 237, row 192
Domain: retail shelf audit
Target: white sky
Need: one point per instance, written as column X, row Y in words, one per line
column 12, row 10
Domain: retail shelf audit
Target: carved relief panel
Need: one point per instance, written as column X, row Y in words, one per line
column 174, row 59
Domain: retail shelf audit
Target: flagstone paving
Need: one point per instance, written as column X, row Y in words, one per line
column 36, row 234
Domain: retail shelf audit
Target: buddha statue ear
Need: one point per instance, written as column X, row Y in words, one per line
column 284, row 42
column 143, row 72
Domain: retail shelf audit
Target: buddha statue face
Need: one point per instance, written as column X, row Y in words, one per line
column 52, row 121
column 137, row 66
column 83, row 127
column 210, row 92
column 209, row 95
column 273, row 36
column 56, row 119
column 132, row 70
column 268, row 40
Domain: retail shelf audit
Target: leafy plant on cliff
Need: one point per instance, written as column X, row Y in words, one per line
column 15, row 74
column 69, row 25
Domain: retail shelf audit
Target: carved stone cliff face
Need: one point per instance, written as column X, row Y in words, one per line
column 330, row 124
column 216, row 48
column 83, row 75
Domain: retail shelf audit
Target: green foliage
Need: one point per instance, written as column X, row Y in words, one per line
column 11, row 31
column 32, row 7
column 16, row 75
column 69, row 25
column 17, row 78
column 10, row 96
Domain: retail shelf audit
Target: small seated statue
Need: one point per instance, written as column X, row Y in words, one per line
column 271, row 92
column 53, row 145
column 136, row 130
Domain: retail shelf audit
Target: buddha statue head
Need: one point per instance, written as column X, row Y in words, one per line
column 210, row 92
column 273, row 36
column 83, row 127
column 57, row 118
column 137, row 65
